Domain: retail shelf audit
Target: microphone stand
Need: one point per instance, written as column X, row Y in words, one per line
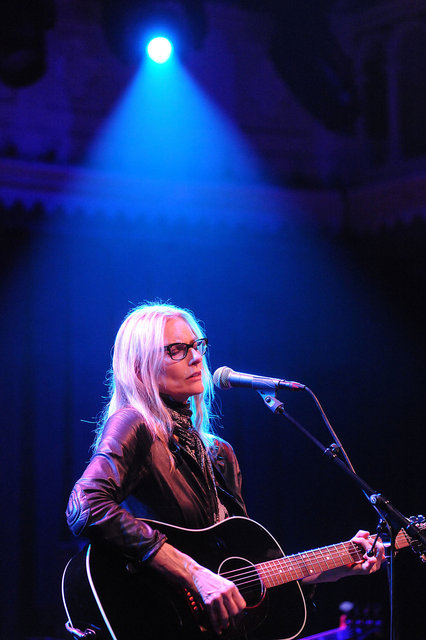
column 391, row 519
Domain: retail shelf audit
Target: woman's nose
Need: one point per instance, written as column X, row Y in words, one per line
column 195, row 356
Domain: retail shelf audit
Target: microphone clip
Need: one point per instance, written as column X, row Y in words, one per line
column 271, row 401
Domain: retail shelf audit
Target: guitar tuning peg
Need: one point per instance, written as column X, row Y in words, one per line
column 416, row 545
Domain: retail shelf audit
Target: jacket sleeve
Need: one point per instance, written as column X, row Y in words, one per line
column 94, row 507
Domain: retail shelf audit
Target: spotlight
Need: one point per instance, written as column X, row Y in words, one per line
column 159, row 49
column 128, row 22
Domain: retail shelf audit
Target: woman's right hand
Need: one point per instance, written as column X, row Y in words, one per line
column 219, row 597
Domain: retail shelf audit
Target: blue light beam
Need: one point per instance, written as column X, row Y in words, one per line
column 165, row 127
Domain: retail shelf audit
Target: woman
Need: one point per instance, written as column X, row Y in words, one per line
column 155, row 457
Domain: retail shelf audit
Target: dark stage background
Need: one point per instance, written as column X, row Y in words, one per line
column 340, row 313
column 274, row 182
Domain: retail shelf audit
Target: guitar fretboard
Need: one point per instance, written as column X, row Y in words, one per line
column 301, row 565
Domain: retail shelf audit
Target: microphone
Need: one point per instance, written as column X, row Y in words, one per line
column 226, row 378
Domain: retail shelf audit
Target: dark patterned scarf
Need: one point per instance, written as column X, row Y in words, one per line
column 188, row 439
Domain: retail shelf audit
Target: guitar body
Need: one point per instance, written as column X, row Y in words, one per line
column 100, row 592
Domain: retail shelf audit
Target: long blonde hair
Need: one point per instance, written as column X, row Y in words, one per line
column 136, row 365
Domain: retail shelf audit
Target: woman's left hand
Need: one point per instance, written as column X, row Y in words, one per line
column 368, row 564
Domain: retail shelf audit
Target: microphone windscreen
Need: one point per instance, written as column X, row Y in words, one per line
column 221, row 378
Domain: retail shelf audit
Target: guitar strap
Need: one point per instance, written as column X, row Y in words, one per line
column 231, row 505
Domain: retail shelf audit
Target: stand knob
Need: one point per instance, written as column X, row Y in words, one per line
column 77, row 634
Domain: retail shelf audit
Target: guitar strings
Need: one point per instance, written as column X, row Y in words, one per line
column 301, row 560
column 247, row 575
column 291, row 566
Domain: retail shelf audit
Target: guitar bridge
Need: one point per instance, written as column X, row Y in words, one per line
column 196, row 609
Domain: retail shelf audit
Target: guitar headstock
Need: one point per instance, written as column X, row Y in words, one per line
column 404, row 540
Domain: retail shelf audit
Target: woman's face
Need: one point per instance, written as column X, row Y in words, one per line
column 180, row 379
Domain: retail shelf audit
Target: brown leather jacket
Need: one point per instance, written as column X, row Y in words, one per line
column 130, row 477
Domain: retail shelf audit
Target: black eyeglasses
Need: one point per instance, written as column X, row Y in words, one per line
column 179, row 350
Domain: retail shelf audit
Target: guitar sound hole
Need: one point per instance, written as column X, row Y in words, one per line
column 245, row 576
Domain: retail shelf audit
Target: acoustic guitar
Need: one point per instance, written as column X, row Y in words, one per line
column 107, row 599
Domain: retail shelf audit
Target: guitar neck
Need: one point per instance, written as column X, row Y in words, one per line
column 301, row 565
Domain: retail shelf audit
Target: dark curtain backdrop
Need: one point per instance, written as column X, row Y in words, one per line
column 342, row 314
